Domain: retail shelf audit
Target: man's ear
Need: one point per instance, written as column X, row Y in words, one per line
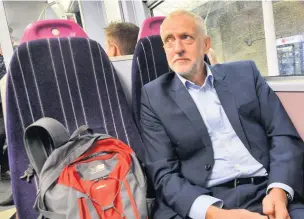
column 110, row 50
column 114, row 50
column 207, row 44
column 117, row 50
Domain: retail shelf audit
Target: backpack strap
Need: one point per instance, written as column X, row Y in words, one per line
column 41, row 138
column 82, row 129
column 49, row 214
column 44, row 214
column 91, row 208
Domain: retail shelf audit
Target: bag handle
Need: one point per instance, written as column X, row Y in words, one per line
column 41, row 138
column 82, row 129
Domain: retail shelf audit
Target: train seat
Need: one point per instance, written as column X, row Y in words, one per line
column 293, row 103
column 149, row 62
column 68, row 79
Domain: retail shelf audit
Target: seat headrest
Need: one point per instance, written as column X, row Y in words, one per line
column 149, row 60
column 150, row 26
column 52, row 28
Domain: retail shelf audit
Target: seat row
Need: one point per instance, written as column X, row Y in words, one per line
column 72, row 80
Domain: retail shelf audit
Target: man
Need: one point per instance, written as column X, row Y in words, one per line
column 121, row 38
column 219, row 144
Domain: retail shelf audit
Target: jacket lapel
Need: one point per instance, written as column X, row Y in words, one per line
column 229, row 104
column 183, row 99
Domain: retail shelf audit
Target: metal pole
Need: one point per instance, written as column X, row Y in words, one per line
column 270, row 39
column 7, row 50
column 5, row 38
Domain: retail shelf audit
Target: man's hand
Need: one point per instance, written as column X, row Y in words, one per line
column 217, row 213
column 275, row 204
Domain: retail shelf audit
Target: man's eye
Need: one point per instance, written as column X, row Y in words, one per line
column 169, row 40
column 186, row 37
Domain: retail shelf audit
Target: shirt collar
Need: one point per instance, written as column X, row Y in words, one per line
column 189, row 84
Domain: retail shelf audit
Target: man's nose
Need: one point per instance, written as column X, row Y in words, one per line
column 179, row 47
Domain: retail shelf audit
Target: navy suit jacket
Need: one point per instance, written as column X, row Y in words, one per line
column 178, row 149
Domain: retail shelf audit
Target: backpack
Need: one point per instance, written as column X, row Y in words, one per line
column 83, row 176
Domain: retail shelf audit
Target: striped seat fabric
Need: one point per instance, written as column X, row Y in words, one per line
column 72, row 81
column 149, row 62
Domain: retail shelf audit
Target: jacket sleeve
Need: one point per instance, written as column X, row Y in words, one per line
column 163, row 165
column 286, row 146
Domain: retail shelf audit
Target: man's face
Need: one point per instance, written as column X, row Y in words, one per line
column 185, row 44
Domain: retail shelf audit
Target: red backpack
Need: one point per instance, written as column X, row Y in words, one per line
column 85, row 177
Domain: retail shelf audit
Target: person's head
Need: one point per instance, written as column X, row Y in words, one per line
column 121, row 38
column 185, row 42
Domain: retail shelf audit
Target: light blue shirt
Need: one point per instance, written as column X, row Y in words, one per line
column 231, row 158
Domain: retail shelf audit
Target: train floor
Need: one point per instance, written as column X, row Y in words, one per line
column 6, row 212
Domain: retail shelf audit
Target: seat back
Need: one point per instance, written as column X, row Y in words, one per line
column 149, row 62
column 72, row 81
column 150, row 26
column 293, row 103
column 123, row 66
column 52, row 28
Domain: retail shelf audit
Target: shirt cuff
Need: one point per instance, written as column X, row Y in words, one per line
column 199, row 207
column 283, row 186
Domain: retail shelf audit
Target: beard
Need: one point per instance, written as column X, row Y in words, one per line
column 187, row 73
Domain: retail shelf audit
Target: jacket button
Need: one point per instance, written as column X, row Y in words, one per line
column 207, row 167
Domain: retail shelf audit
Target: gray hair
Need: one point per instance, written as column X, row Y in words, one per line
column 198, row 20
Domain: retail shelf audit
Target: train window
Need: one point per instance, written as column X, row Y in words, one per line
column 28, row 11
column 237, row 31
column 162, row 8
column 113, row 10
column 288, row 20
column 35, row 11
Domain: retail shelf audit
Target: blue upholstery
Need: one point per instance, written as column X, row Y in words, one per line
column 149, row 62
column 71, row 80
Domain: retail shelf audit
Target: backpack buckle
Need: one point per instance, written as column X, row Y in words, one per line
column 28, row 173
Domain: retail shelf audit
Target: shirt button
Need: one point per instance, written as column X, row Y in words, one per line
column 207, row 167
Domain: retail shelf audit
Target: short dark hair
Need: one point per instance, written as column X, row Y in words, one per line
column 124, row 34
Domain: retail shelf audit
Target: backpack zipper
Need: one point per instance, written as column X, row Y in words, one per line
column 92, row 156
